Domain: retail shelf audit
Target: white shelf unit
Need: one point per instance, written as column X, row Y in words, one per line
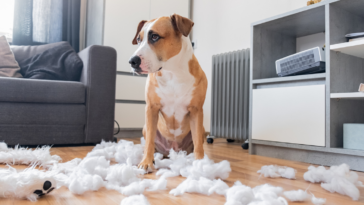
column 354, row 96
column 354, row 48
column 275, row 38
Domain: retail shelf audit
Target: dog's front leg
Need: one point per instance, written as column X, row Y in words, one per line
column 151, row 121
column 197, row 130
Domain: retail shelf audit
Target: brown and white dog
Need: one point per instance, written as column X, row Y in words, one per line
column 175, row 90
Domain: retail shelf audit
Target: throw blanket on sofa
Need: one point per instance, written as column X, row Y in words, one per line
column 58, row 63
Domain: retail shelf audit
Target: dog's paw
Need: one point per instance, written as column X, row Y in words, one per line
column 147, row 165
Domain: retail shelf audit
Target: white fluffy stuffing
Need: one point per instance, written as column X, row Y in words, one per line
column 128, row 150
column 342, row 186
column 274, row 171
column 179, row 163
column 239, row 194
column 318, row 201
column 3, row 146
column 22, row 184
column 296, row 195
column 135, row 200
column 202, row 186
column 336, row 179
column 123, row 174
column 159, row 162
column 207, row 168
column 40, row 156
column 80, row 183
column 266, row 194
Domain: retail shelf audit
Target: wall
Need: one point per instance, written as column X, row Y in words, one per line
column 95, row 22
column 224, row 25
column 120, row 24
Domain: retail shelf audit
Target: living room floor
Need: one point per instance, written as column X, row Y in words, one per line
column 244, row 168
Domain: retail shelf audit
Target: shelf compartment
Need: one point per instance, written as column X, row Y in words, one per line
column 354, row 48
column 290, row 78
column 310, row 147
column 353, row 96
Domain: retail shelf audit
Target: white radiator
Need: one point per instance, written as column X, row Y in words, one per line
column 230, row 95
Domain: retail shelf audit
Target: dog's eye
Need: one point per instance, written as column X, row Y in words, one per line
column 155, row 37
column 138, row 40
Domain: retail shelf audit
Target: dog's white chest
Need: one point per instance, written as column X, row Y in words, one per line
column 175, row 91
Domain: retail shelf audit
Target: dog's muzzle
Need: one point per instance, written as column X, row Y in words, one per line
column 135, row 62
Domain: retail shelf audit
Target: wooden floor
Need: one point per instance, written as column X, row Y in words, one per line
column 244, row 168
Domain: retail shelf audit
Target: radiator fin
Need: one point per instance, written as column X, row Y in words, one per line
column 230, row 95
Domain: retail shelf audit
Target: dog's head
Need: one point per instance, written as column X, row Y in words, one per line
column 159, row 40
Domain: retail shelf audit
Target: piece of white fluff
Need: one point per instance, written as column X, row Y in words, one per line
column 296, row 195
column 342, row 186
column 336, row 179
column 135, row 200
column 159, row 162
column 14, row 184
column 138, row 187
column 274, row 171
column 123, row 174
column 85, row 182
column 128, row 150
column 81, row 176
column 125, row 179
column 318, row 201
column 67, row 167
column 180, row 163
column 40, row 156
column 3, row 146
column 267, row 191
column 207, row 168
column 119, row 152
column 202, row 186
column 265, row 194
column 239, row 194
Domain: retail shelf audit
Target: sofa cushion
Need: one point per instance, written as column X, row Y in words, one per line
column 24, row 52
column 58, row 63
column 42, row 114
column 41, row 91
column 8, row 65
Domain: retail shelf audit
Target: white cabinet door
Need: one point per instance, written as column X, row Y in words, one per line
column 290, row 114
column 130, row 87
column 130, row 115
column 121, row 21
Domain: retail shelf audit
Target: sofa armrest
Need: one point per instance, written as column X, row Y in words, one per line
column 99, row 77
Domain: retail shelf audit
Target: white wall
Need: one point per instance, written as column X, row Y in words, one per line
column 224, row 25
column 120, row 24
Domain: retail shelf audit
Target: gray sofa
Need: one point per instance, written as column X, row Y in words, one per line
column 38, row 112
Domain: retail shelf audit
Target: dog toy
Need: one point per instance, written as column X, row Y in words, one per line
column 28, row 184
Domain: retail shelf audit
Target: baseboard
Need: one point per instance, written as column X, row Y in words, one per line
column 129, row 132
column 134, row 132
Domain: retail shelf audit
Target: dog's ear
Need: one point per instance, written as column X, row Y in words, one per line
column 182, row 24
column 140, row 26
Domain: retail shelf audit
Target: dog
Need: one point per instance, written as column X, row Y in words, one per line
column 175, row 90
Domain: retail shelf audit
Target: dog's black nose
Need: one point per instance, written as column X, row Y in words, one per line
column 135, row 62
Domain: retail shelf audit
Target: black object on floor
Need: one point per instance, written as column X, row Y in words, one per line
column 115, row 139
column 230, row 140
column 210, row 140
column 245, row 145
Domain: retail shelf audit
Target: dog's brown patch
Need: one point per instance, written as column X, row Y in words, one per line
column 170, row 42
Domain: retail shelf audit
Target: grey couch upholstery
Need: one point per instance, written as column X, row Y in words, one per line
column 37, row 112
